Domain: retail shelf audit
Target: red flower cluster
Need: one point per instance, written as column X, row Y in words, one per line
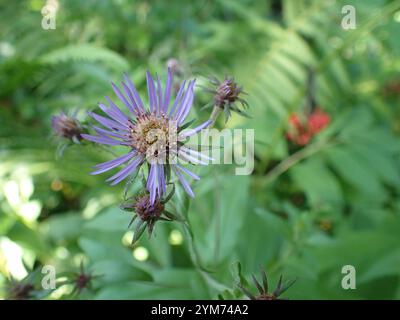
column 300, row 132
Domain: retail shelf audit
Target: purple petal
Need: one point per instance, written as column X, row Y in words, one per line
column 135, row 109
column 151, row 92
column 105, row 166
column 152, row 182
column 193, row 156
column 186, row 110
column 117, row 111
column 191, row 132
column 121, row 175
column 178, row 98
column 159, row 96
column 184, row 183
column 150, row 179
column 110, row 124
column 101, row 140
column 102, row 132
column 135, row 94
column 161, row 177
column 182, row 101
column 156, row 182
column 188, row 158
column 195, row 153
column 112, row 114
column 122, row 97
column 167, row 94
column 186, row 104
column 189, row 173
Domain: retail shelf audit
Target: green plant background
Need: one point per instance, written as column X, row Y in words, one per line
column 52, row 211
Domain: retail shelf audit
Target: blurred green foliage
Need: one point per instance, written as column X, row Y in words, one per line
column 304, row 214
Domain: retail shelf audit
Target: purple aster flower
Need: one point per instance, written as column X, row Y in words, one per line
column 154, row 134
column 175, row 66
column 66, row 126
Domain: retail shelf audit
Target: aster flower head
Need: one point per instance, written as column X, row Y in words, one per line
column 67, row 127
column 175, row 66
column 263, row 288
column 20, row 291
column 227, row 95
column 147, row 213
column 26, row 288
column 227, row 92
column 154, row 134
column 82, row 280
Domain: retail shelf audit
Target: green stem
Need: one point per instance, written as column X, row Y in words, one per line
column 214, row 115
column 295, row 158
column 214, row 283
column 194, row 254
column 195, row 257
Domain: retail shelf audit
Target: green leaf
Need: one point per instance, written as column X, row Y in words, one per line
column 318, row 182
column 112, row 219
column 64, row 227
column 217, row 218
column 86, row 52
column 355, row 171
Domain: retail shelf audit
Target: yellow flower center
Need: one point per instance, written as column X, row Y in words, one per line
column 153, row 136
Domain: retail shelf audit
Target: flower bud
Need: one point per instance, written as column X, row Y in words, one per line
column 82, row 281
column 175, row 66
column 226, row 98
column 263, row 288
column 20, row 291
column 147, row 213
column 67, row 127
column 227, row 92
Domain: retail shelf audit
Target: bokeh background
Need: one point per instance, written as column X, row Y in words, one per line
column 305, row 211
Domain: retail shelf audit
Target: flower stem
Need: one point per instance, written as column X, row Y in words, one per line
column 194, row 254
column 195, row 257
column 214, row 115
column 296, row 157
